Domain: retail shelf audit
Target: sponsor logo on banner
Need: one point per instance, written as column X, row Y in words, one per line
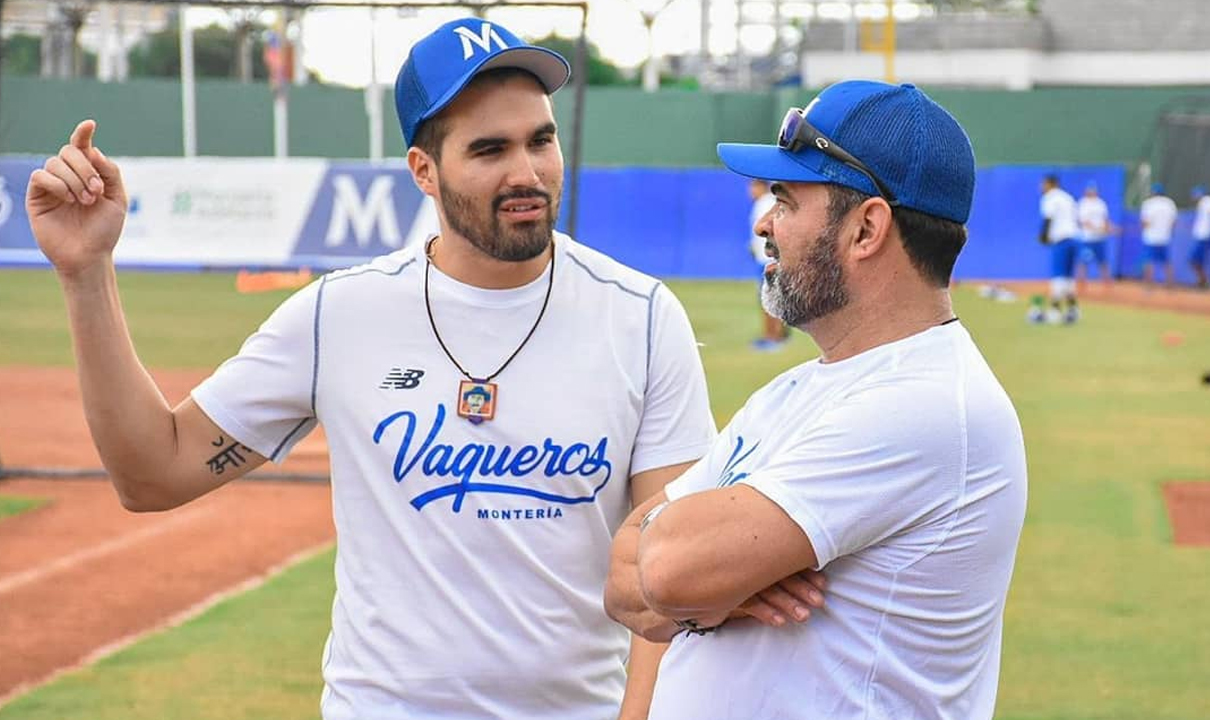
column 15, row 233
column 215, row 212
column 237, row 205
column 360, row 211
column 364, row 217
column 6, row 202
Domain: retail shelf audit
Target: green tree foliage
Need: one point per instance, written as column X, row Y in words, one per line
column 159, row 55
column 600, row 71
column 22, row 54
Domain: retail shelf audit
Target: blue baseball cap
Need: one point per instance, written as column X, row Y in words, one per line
column 1198, row 191
column 1157, row 188
column 444, row 61
column 908, row 141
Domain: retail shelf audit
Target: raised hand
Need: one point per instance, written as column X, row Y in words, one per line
column 77, row 204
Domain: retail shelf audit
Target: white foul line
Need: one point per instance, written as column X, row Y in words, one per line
column 67, row 562
column 178, row 619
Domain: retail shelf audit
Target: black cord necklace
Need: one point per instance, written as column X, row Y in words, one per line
column 478, row 397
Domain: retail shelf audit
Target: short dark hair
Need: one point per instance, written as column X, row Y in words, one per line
column 932, row 243
column 1051, row 178
column 431, row 133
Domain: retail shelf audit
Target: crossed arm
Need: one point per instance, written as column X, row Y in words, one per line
column 711, row 556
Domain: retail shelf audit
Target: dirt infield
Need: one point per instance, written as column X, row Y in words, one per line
column 80, row 573
column 1189, row 511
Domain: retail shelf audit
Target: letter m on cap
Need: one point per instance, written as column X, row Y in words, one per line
column 487, row 35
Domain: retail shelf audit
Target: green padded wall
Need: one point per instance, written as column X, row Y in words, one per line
column 623, row 126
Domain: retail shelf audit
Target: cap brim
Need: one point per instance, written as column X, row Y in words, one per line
column 766, row 162
column 548, row 66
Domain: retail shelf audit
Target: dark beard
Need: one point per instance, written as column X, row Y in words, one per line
column 813, row 289
column 524, row 242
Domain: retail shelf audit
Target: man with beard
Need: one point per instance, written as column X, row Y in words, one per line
column 472, row 545
column 894, row 462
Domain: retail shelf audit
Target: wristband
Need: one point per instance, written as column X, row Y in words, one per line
column 692, row 627
column 652, row 514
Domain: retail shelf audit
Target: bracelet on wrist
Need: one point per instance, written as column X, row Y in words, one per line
column 692, row 626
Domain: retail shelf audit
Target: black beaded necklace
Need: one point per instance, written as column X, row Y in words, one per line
column 479, row 397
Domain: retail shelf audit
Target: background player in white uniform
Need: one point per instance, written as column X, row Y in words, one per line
column 471, row 555
column 774, row 332
column 1060, row 228
column 1095, row 228
column 1201, row 233
column 1158, row 216
column 895, row 461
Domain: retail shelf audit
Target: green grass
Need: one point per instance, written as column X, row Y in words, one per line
column 252, row 657
column 1106, row 619
column 178, row 321
column 12, row 505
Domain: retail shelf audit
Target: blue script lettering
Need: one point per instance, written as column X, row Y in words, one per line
column 473, row 462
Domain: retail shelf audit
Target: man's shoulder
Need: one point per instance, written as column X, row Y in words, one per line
column 594, row 269
column 383, row 267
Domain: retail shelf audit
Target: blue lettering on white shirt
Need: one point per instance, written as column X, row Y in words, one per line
column 728, row 476
column 491, row 461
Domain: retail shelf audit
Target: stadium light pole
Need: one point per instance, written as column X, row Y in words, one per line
column 650, row 10
column 373, row 94
column 188, row 91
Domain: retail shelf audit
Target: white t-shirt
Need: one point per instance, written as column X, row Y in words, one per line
column 1060, row 209
column 905, row 466
column 1158, row 215
column 1201, row 219
column 1094, row 218
column 471, row 559
column 757, row 244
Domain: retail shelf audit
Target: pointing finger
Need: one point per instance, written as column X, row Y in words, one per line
column 81, row 137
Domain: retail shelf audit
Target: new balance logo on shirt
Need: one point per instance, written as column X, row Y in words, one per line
column 400, row 379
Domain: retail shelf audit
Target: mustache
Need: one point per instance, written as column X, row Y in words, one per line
column 520, row 195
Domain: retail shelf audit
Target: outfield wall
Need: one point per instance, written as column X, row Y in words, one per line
column 623, row 126
column 688, row 223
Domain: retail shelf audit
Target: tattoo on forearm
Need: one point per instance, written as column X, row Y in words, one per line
column 229, row 455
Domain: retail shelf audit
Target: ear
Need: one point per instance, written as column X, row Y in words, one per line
column 876, row 225
column 424, row 170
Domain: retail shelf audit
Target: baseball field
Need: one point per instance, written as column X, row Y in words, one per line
column 220, row 609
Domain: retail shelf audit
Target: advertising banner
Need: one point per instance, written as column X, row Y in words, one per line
column 237, row 213
column 241, row 213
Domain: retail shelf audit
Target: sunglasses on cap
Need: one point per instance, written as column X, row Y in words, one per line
column 796, row 133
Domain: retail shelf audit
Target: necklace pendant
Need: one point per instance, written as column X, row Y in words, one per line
column 476, row 400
